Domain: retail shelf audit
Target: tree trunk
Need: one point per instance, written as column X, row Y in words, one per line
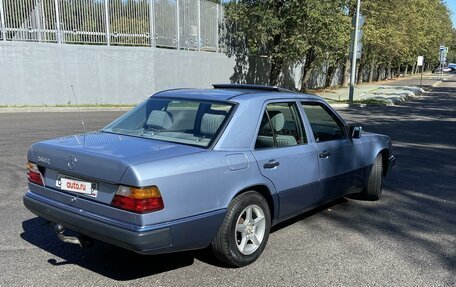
column 371, row 71
column 276, row 69
column 330, row 76
column 398, row 71
column 388, row 72
column 276, row 64
column 381, row 73
column 360, row 73
column 413, row 69
column 346, row 73
column 406, row 70
column 307, row 70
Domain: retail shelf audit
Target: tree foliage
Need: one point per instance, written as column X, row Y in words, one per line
column 313, row 32
column 289, row 31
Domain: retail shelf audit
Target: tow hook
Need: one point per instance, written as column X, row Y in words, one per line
column 82, row 241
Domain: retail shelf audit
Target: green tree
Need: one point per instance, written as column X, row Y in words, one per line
column 396, row 32
column 313, row 33
column 326, row 26
column 268, row 28
column 289, row 32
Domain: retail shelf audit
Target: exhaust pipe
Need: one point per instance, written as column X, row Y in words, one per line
column 82, row 241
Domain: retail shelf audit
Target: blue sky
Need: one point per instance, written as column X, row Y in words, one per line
column 452, row 5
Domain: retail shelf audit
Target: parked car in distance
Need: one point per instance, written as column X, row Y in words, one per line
column 188, row 168
column 442, row 69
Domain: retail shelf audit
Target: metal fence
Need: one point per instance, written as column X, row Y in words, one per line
column 178, row 24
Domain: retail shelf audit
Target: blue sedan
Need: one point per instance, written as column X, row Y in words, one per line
column 187, row 169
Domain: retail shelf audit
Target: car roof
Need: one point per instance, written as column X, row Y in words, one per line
column 235, row 92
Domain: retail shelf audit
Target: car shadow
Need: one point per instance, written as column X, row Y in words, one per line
column 103, row 258
column 419, row 198
column 307, row 214
column 123, row 265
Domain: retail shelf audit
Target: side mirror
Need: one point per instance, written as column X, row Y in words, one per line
column 356, row 132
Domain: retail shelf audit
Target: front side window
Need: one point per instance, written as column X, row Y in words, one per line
column 280, row 126
column 181, row 121
column 325, row 124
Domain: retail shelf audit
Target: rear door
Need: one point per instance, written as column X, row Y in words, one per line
column 286, row 158
column 340, row 157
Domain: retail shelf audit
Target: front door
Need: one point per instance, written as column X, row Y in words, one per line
column 339, row 156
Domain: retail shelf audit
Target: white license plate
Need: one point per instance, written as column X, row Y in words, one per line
column 78, row 186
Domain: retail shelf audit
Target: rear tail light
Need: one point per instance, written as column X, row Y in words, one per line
column 141, row 200
column 34, row 174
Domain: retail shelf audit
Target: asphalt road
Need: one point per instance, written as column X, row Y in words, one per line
column 408, row 238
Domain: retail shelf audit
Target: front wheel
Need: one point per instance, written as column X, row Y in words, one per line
column 244, row 231
column 373, row 189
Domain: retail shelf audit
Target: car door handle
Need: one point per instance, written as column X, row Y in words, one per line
column 324, row 154
column 271, row 164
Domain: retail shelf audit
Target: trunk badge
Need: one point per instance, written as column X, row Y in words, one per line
column 72, row 162
column 43, row 159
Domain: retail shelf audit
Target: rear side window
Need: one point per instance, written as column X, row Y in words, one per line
column 325, row 124
column 281, row 126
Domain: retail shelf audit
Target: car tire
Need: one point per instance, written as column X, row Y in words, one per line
column 244, row 232
column 373, row 189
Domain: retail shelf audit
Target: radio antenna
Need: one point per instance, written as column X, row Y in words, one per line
column 79, row 110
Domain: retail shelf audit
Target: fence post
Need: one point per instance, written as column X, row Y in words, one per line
column 2, row 16
column 177, row 25
column 108, row 33
column 217, row 29
column 43, row 18
column 57, row 16
column 152, row 22
column 199, row 25
column 38, row 21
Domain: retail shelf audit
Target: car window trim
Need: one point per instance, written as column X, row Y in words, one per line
column 223, row 126
column 299, row 113
column 274, row 135
column 299, row 123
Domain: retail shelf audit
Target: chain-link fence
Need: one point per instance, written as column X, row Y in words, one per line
column 179, row 24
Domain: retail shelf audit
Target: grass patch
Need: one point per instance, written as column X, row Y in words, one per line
column 372, row 101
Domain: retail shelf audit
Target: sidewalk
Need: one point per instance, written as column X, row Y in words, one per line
column 387, row 92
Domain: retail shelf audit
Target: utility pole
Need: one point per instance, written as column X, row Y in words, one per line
column 354, row 49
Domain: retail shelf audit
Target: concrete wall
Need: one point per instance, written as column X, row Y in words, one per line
column 42, row 74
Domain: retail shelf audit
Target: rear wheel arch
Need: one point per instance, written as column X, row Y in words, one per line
column 264, row 191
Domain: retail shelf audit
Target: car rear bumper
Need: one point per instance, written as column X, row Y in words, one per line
column 184, row 234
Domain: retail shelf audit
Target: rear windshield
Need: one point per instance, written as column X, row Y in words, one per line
column 180, row 121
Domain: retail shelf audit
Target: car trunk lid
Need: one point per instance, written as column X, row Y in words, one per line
column 92, row 164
